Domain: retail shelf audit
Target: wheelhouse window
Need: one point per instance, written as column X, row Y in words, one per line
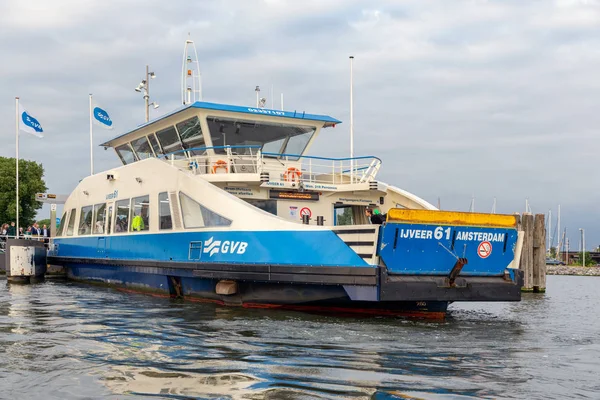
column 61, row 226
column 85, row 221
column 165, row 220
column 273, row 138
column 125, row 154
column 190, row 132
column 140, row 209
column 169, row 141
column 195, row 215
column 142, row 148
column 122, row 216
column 71, row 224
column 99, row 218
column 154, row 143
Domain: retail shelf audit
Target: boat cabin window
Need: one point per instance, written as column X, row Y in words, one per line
column 269, row 206
column 190, row 133
column 71, row 224
column 140, row 210
column 274, row 138
column 125, row 154
column 61, row 226
column 195, row 215
column 164, row 211
column 142, row 148
column 169, row 141
column 122, row 216
column 154, row 143
column 99, row 218
column 85, row 221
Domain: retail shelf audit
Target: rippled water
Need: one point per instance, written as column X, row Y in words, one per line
column 60, row 340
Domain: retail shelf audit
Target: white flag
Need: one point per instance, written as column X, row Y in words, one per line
column 29, row 124
column 101, row 117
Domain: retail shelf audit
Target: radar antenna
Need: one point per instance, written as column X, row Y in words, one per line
column 191, row 80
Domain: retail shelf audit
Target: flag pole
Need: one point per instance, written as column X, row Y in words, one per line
column 17, row 151
column 91, row 140
column 351, row 122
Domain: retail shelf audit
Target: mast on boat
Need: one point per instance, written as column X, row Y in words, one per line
column 191, row 80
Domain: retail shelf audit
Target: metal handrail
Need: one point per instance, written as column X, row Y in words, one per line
column 316, row 172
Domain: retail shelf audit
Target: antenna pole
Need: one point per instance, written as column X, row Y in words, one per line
column 351, row 121
column 281, row 101
column 257, row 90
column 147, row 94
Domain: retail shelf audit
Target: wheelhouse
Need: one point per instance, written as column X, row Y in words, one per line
column 260, row 156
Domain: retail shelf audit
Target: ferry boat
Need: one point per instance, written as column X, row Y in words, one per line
column 222, row 203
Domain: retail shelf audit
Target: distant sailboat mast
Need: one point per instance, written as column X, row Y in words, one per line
column 191, row 80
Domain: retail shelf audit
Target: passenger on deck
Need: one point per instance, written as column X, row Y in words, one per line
column 375, row 217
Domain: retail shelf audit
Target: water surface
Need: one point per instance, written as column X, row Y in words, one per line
column 61, row 340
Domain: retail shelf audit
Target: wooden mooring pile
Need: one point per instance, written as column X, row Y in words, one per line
column 533, row 254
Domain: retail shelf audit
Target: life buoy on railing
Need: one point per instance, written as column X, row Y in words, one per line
column 220, row 164
column 292, row 174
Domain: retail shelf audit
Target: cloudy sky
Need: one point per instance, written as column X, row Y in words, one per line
column 492, row 99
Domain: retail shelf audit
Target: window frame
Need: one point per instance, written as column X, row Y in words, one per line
column 201, row 207
column 63, row 223
column 160, row 228
column 132, row 216
column 135, row 159
column 83, row 218
column 95, row 219
column 116, row 212
column 72, row 215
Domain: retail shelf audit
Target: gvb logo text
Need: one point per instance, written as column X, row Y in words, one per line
column 212, row 247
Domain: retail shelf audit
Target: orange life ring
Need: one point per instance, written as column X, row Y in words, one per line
column 220, row 164
column 290, row 173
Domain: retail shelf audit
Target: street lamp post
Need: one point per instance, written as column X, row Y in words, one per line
column 145, row 86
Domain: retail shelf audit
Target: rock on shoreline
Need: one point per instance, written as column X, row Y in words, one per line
column 572, row 270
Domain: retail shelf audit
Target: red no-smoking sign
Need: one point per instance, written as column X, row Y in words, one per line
column 306, row 211
column 484, row 249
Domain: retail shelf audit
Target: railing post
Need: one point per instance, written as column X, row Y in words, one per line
column 333, row 172
column 259, row 164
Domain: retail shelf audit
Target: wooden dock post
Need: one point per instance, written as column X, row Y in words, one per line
column 539, row 254
column 526, row 264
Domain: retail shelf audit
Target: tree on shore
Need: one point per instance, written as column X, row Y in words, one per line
column 30, row 182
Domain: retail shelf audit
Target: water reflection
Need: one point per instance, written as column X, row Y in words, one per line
column 73, row 341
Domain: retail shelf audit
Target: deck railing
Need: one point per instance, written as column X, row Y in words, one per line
column 280, row 167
